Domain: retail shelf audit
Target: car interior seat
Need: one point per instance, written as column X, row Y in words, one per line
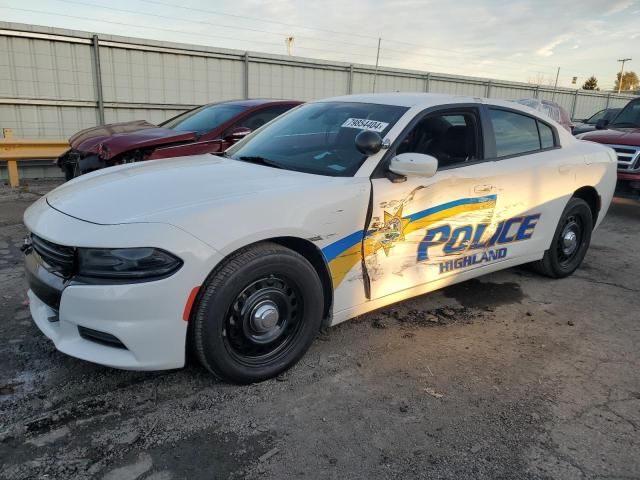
column 457, row 145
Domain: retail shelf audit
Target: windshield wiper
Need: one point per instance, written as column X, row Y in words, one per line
column 624, row 125
column 260, row 161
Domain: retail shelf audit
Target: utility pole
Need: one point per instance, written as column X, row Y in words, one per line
column 623, row 60
column 555, row 86
column 375, row 73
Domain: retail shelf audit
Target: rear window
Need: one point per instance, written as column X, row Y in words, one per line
column 546, row 136
column 203, row 119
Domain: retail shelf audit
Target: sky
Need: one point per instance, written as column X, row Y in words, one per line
column 519, row 40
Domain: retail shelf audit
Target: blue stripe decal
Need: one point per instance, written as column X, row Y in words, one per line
column 334, row 249
column 463, row 201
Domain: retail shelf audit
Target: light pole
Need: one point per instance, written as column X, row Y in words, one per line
column 375, row 73
column 623, row 60
column 288, row 41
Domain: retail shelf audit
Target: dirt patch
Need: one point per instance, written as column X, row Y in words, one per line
column 484, row 294
column 429, row 318
column 207, row 455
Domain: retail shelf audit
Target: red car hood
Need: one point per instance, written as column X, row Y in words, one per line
column 622, row 136
column 121, row 137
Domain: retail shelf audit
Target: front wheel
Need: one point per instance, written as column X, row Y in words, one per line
column 570, row 241
column 258, row 314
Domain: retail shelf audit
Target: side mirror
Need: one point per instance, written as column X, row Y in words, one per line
column 368, row 142
column 602, row 124
column 237, row 133
column 414, row 165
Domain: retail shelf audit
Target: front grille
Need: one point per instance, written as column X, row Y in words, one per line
column 628, row 157
column 61, row 259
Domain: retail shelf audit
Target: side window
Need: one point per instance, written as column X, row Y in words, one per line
column 451, row 137
column 514, row 133
column 546, row 136
column 259, row 118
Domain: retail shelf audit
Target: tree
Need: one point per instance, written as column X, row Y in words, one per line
column 591, row 84
column 630, row 81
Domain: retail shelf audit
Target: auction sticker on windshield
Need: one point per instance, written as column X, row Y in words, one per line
column 364, row 124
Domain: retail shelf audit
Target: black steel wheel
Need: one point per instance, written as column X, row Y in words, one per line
column 570, row 241
column 257, row 313
column 263, row 320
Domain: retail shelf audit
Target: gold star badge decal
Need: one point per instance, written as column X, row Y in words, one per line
column 392, row 230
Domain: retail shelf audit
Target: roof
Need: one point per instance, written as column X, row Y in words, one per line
column 254, row 102
column 427, row 100
column 405, row 99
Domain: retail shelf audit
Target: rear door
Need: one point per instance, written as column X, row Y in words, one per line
column 536, row 177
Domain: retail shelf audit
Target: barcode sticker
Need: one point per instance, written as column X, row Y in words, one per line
column 364, row 124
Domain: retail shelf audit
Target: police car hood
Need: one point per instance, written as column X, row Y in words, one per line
column 159, row 190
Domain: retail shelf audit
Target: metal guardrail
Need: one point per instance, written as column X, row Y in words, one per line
column 14, row 149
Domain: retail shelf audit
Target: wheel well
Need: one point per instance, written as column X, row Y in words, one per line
column 590, row 195
column 313, row 254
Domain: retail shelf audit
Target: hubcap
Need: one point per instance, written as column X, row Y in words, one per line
column 263, row 320
column 265, row 316
column 569, row 242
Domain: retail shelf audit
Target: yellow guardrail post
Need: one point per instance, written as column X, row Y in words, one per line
column 14, row 149
column 12, row 164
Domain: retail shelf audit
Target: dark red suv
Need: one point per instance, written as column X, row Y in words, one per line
column 207, row 129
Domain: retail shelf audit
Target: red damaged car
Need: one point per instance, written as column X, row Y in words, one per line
column 207, row 129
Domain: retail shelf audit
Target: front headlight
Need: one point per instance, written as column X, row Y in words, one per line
column 126, row 263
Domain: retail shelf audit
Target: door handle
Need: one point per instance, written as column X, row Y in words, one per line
column 483, row 188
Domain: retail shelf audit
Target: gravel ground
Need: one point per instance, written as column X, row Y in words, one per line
column 508, row 376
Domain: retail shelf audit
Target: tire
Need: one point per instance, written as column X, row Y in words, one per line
column 563, row 258
column 258, row 314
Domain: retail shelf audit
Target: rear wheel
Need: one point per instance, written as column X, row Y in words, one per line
column 258, row 314
column 570, row 241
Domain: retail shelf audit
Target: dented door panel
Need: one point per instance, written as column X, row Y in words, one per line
column 419, row 225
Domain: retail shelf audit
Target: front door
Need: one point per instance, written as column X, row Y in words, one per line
column 422, row 228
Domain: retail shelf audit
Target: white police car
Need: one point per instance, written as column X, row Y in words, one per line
column 338, row 207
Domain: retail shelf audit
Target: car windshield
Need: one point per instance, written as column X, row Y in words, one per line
column 629, row 117
column 611, row 113
column 203, row 119
column 595, row 117
column 318, row 137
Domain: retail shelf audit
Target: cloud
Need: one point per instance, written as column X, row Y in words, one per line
column 547, row 49
column 618, row 7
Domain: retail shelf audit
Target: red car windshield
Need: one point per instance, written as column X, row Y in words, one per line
column 203, row 119
column 629, row 117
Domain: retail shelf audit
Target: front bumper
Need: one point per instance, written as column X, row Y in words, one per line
column 152, row 334
column 629, row 177
column 145, row 318
column 628, row 183
column 75, row 163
